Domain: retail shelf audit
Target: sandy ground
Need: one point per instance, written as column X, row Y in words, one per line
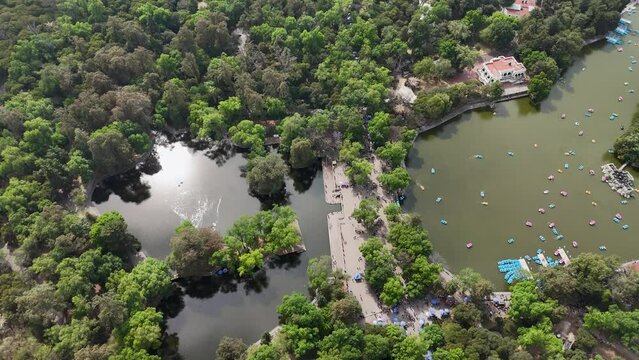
column 345, row 239
column 403, row 92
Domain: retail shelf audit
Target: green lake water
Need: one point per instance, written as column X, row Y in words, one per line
column 514, row 185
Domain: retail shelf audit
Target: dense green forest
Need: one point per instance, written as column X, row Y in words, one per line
column 85, row 85
column 332, row 330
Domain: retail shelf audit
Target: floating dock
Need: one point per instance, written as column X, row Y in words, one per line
column 543, row 260
column 619, row 180
column 564, row 256
column 524, row 265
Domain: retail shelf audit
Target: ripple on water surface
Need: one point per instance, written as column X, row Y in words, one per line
column 206, row 188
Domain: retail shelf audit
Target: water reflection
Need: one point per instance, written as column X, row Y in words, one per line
column 203, row 183
column 303, row 178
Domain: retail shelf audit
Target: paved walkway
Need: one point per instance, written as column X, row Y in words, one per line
column 345, row 237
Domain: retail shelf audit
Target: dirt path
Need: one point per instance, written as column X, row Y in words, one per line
column 243, row 38
column 11, row 260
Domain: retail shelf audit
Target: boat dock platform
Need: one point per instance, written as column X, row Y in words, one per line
column 524, row 265
column 619, row 180
column 543, row 260
column 564, row 256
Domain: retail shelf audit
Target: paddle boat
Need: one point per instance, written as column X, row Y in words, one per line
column 574, row 244
column 438, row 200
column 563, row 193
column 541, row 210
column 617, row 221
column 529, row 223
column 478, row 156
column 602, row 248
column 588, row 192
column 611, row 151
column 581, row 133
column 593, row 203
column 592, row 222
column 542, row 238
column 630, row 68
column 631, row 91
column 539, row 251
column 511, row 240
column 563, row 116
column 551, row 177
column 624, row 202
column 626, row 83
column 546, row 192
column 432, row 170
column 485, row 203
column 591, row 110
column 577, row 123
column 535, row 145
column 618, row 216
column 566, row 166
column 614, row 114
column 620, row 99
column 625, row 226
column 510, row 153
column 552, row 205
column 580, row 167
column 443, row 222
column 469, row 245
column 527, row 257
column 551, row 225
column 560, row 237
column 591, row 172
column 555, row 231
column 482, row 194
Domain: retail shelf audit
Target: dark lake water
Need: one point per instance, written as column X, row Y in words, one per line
column 206, row 187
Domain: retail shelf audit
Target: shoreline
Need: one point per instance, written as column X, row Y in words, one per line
column 343, row 229
column 470, row 107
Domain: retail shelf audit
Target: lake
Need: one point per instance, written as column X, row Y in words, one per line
column 189, row 181
column 514, row 185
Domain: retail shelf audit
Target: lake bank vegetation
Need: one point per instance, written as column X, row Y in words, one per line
column 85, row 84
column 590, row 295
column 626, row 147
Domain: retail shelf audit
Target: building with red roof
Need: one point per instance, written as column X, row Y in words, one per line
column 502, row 69
column 520, row 8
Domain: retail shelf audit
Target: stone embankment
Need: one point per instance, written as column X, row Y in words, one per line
column 509, row 94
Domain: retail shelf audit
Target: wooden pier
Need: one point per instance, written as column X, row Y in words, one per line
column 524, row 265
column 564, row 256
column 543, row 260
